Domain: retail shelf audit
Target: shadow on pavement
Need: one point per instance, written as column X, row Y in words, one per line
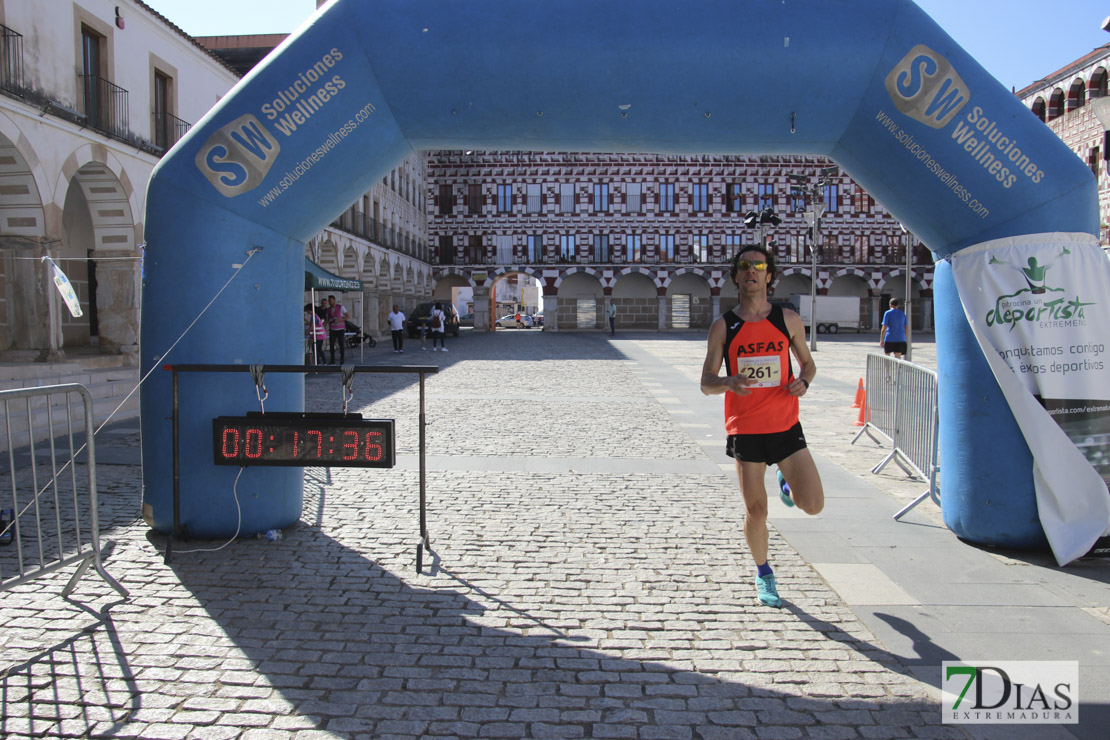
column 357, row 650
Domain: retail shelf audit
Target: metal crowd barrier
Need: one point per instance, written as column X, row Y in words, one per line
column 48, row 504
column 901, row 405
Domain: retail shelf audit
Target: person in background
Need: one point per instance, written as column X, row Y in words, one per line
column 894, row 337
column 612, row 318
column 396, row 321
column 314, row 329
column 438, row 321
column 755, row 340
column 337, row 328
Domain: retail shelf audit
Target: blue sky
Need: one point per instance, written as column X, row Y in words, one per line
column 1018, row 41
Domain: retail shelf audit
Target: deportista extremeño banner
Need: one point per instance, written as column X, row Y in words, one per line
column 1040, row 307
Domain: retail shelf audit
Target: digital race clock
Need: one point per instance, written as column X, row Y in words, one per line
column 303, row 440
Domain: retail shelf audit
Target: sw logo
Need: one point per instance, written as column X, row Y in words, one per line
column 236, row 158
column 926, row 88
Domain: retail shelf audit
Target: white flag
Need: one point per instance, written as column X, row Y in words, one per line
column 65, row 288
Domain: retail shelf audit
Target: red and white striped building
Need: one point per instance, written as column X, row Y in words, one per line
column 654, row 234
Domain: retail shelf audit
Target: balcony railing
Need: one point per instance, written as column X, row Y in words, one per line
column 358, row 223
column 826, row 256
column 168, row 129
column 105, row 105
column 11, row 60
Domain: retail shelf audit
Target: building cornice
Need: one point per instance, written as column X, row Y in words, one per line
column 1065, row 73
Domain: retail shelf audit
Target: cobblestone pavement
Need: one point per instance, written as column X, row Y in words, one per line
column 589, row 580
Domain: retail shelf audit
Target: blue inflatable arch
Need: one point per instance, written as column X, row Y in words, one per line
column 874, row 84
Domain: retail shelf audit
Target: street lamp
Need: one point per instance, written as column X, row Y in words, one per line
column 813, row 218
column 764, row 219
column 907, row 238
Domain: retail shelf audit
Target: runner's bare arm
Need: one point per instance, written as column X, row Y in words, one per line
column 711, row 381
column 807, row 367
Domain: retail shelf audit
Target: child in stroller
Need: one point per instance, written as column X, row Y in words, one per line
column 355, row 337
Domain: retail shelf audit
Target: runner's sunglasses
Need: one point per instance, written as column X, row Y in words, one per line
column 747, row 264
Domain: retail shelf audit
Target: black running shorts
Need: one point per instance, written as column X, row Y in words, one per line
column 766, row 448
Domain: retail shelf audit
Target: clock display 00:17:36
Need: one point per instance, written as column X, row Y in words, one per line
column 303, row 441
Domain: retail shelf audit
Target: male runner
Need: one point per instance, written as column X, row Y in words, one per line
column 754, row 340
column 894, row 337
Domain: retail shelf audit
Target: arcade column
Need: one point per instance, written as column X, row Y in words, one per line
column 483, row 318
column 117, row 302
column 550, row 312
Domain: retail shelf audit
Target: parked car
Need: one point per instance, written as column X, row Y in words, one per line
column 467, row 319
column 509, row 321
column 422, row 313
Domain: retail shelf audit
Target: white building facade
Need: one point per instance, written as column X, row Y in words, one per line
column 382, row 240
column 91, row 95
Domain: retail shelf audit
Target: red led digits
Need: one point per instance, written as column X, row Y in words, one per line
column 373, row 450
column 303, row 440
column 254, row 443
column 233, row 435
column 290, row 444
column 350, row 447
column 319, row 441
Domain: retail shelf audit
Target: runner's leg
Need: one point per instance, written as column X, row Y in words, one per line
column 755, row 508
column 805, row 483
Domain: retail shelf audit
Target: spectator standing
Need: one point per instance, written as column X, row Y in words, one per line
column 396, row 321
column 438, row 321
column 612, row 318
column 894, row 337
column 337, row 327
column 314, row 328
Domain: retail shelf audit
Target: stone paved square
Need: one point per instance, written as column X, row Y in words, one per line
column 589, row 580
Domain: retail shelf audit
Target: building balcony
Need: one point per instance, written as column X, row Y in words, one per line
column 358, row 224
column 104, row 106
column 168, row 130
column 11, row 62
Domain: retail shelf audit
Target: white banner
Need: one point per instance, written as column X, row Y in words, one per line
column 65, row 288
column 1040, row 307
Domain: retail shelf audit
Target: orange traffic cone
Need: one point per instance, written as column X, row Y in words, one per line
column 864, row 411
column 860, row 393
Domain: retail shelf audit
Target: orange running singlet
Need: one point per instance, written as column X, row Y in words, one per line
column 761, row 351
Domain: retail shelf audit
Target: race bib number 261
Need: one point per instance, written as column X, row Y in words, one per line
column 765, row 372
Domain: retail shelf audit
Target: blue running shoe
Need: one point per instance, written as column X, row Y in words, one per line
column 784, row 491
column 768, row 593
